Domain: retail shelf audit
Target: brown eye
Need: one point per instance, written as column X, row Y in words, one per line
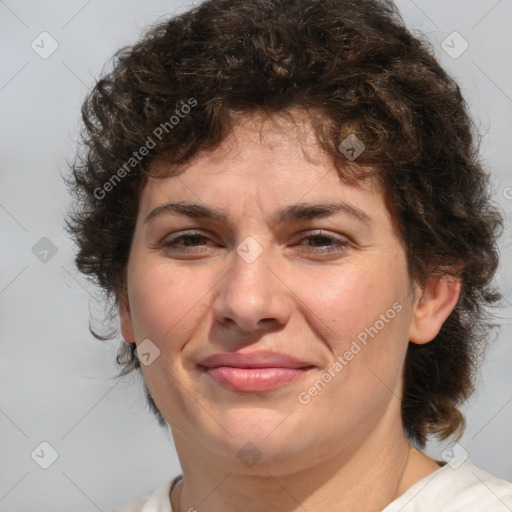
column 192, row 243
column 188, row 240
column 323, row 243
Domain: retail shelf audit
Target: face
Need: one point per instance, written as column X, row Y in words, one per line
column 279, row 303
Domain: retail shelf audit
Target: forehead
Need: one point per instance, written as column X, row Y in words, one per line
column 265, row 159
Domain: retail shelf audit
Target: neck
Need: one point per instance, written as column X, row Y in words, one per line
column 375, row 474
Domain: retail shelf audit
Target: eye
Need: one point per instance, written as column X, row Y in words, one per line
column 188, row 242
column 317, row 243
column 323, row 243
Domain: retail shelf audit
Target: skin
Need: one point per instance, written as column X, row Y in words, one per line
column 345, row 450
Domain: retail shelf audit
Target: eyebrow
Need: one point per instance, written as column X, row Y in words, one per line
column 294, row 212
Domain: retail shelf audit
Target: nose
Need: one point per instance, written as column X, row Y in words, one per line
column 252, row 297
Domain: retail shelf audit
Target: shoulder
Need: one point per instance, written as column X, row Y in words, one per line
column 459, row 487
column 157, row 500
column 133, row 506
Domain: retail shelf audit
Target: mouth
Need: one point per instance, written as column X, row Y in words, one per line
column 254, row 380
column 254, row 373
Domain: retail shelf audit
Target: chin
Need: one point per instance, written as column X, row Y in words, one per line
column 270, row 434
column 259, row 421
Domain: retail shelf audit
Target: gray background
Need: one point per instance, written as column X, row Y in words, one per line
column 56, row 379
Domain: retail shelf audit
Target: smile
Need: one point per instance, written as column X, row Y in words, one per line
column 254, row 380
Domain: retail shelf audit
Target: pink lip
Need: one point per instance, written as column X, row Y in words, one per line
column 254, row 372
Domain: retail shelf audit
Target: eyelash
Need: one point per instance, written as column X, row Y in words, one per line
column 339, row 245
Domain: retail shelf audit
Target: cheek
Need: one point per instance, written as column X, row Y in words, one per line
column 346, row 300
column 344, row 309
column 165, row 303
column 360, row 311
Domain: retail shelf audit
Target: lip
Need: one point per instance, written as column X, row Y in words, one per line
column 254, row 372
column 257, row 359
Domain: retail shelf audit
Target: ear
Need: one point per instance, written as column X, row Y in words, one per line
column 434, row 303
column 125, row 317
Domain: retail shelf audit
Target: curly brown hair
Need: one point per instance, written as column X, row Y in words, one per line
column 354, row 68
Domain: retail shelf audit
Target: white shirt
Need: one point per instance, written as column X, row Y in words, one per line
column 461, row 488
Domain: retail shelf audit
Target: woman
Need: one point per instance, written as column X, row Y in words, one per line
column 283, row 200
